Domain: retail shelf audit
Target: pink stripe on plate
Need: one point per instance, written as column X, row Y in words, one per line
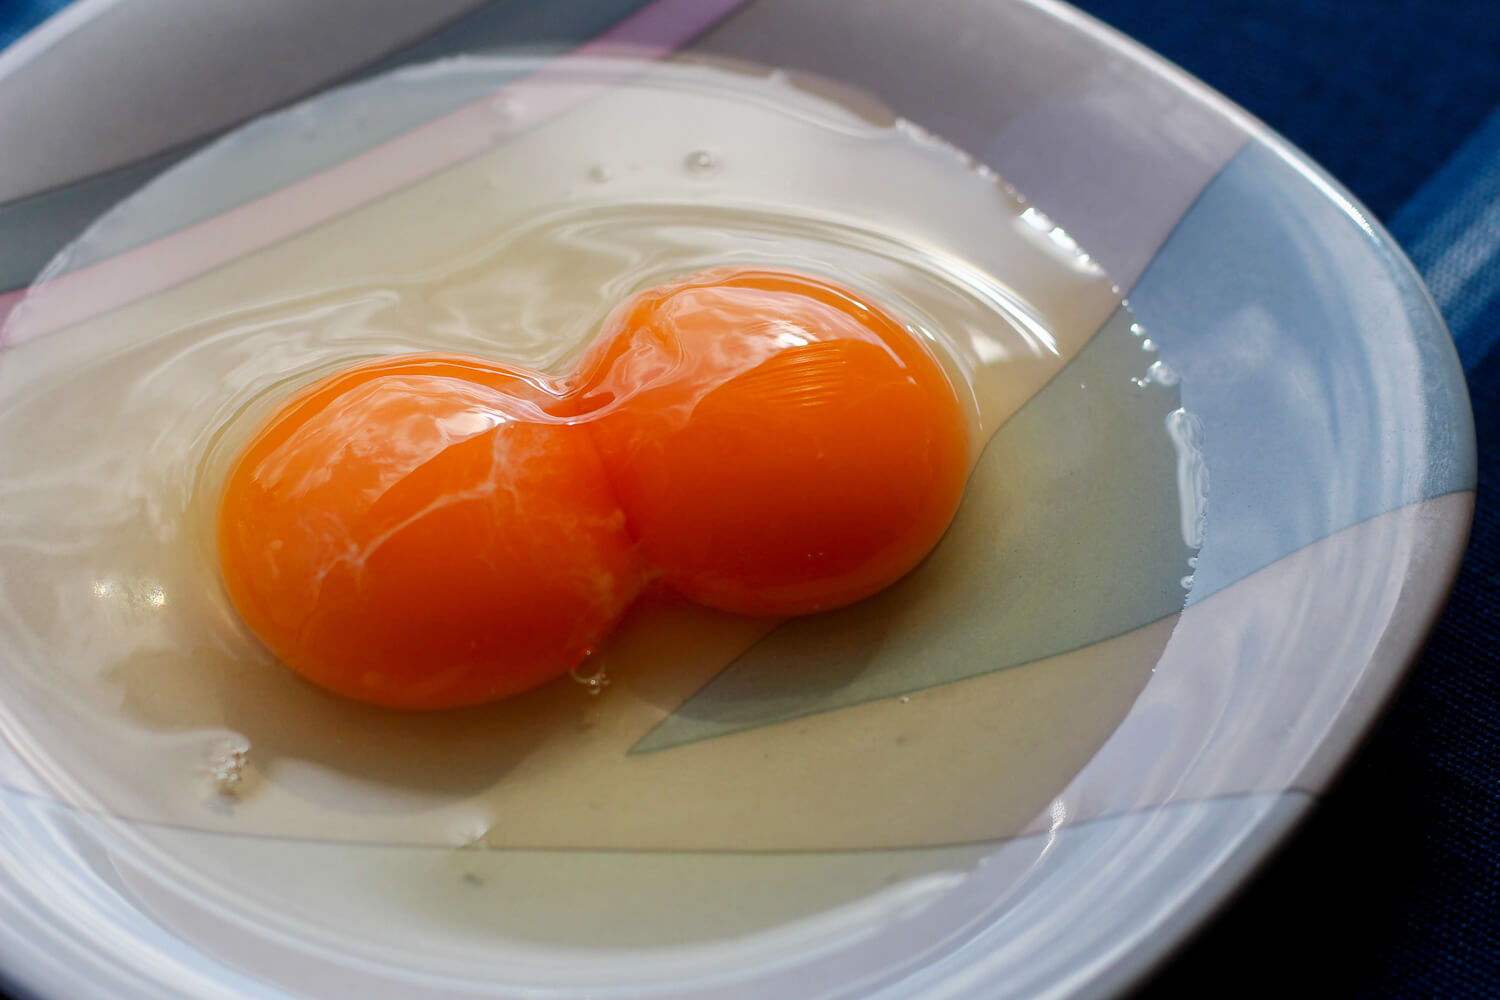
column 8, row 302
column 457, row 136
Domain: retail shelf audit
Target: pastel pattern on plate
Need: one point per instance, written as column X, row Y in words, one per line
column 1336, row 446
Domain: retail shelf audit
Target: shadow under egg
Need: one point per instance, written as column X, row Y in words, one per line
column 453, row 754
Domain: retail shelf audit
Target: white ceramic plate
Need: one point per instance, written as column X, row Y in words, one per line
column 1151, row 755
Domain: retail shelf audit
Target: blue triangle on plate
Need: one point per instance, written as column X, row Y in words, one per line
column 1070, row 533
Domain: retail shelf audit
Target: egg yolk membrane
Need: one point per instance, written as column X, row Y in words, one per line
column 410, row 533
column 430, row 531
column 778, row 445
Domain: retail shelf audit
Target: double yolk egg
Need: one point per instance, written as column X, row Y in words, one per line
column 433, row 530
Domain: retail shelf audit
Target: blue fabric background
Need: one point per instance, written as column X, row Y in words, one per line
column 1392, row 889
column 19, row 16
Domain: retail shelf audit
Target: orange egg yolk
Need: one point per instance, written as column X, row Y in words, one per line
column 779, row 445
column 409, row 533
column 431, row 531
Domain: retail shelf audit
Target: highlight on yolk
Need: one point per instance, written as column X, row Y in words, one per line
column 417, row 533
column 779, row 446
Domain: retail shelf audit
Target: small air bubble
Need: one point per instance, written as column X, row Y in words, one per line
column 1187, row 582
column 476, row 838
column 228, row 772
column 1139, row 382
column 599, row 173
column 905, row 699
column 1193, row 561
column 1136, row 330
column 1148, row 344
column 700, row 161
column 594, row 683
column 1161, row 373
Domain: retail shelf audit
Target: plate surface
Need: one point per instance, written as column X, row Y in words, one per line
column 1335, row 435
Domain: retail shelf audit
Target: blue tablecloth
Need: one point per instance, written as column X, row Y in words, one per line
column 19, row 16
column 1392, row 889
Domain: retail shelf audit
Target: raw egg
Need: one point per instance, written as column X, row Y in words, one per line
column 430, row 531
column 779, row 444
column 418, row 533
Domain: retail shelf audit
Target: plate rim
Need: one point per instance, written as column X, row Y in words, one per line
column 1354, row 723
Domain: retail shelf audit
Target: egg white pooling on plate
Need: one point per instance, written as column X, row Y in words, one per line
column 126, row 670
